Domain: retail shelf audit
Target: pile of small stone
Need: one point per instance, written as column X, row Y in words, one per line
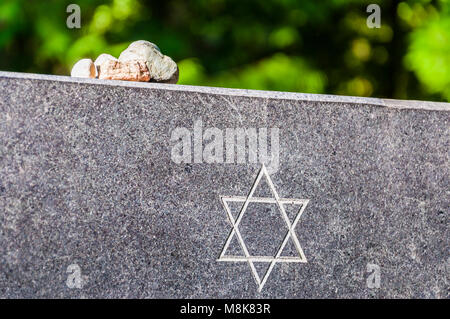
column 141, row 61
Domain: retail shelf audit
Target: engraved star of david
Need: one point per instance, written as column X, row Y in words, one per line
column 275, row 199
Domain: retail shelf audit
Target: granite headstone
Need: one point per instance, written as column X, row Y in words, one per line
column 142, row 190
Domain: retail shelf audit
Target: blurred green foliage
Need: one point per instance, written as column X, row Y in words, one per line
column 289, row 45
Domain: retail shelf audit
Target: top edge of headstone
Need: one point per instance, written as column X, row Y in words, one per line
column 391, row 103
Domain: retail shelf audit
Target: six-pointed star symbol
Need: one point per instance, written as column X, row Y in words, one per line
column 275, row 199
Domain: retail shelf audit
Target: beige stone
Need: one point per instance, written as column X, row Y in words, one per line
column 161, row 67
column 123, row 70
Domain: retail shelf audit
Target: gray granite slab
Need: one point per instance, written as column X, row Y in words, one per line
column 98, row 198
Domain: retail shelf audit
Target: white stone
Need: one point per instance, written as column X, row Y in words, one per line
column 84, row 68
column 138, row 44
column 161, row 67
column 102, row 59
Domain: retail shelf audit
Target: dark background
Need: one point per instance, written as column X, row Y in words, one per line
column 301, row 46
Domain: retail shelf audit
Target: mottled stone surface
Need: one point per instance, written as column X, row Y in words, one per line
column 87, row 178
column 126, row 71
column 161, row 67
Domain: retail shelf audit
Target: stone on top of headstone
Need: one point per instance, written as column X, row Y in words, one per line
column 132, row 70
column 84, row 68
column 142, row 61
column 102, row 59
column 161, row 67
